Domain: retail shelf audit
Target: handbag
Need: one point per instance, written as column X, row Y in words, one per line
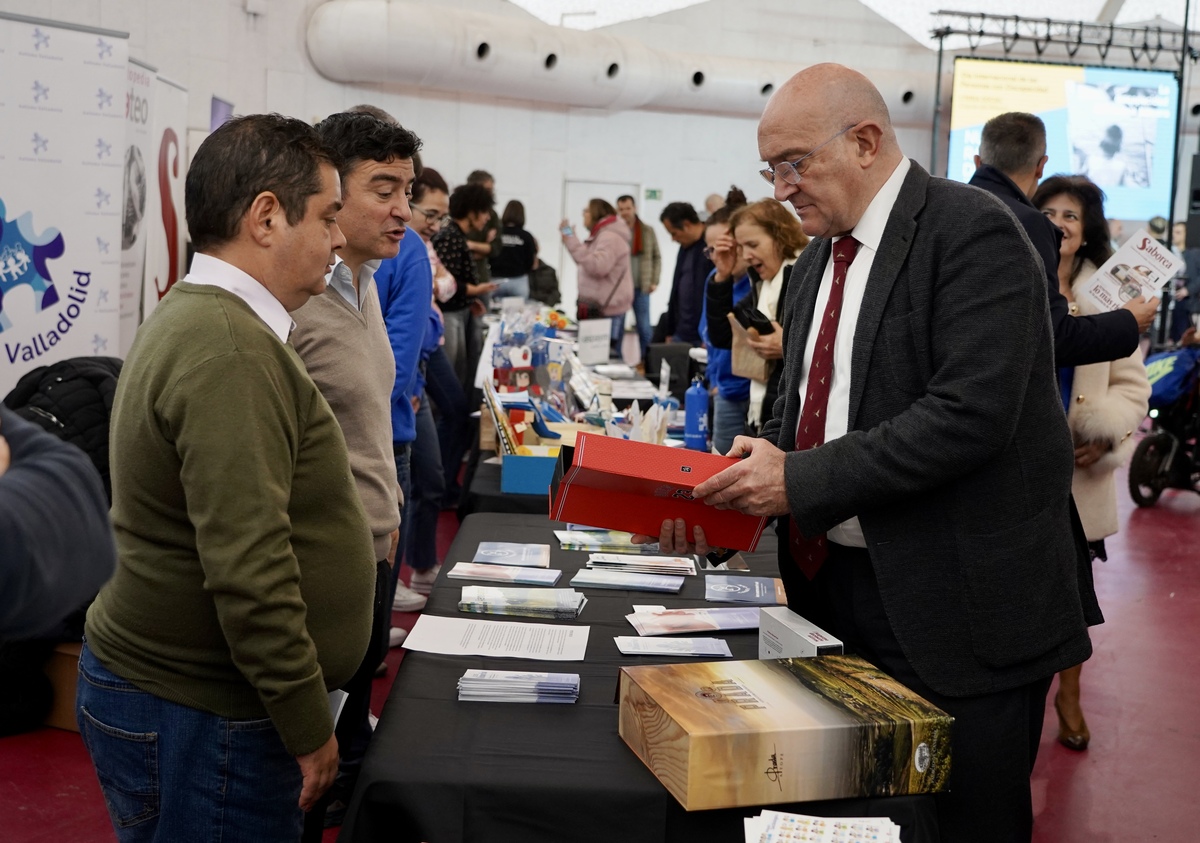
column 592, row 309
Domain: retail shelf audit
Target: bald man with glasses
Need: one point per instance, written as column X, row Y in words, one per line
column 918, row 458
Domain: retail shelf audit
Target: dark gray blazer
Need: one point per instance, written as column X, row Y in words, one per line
column 958, row 460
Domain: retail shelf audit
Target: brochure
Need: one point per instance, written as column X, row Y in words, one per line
column 504, row 573
column 778, row 827
column 550, row 603
column 1139, row 268
column 693, row 620
column 589, row 578
column 518, row 686
column 632, row 645
column 512, row 553
column 760, row 591
column 601, row 541
column 669, row 565
column 502, row 639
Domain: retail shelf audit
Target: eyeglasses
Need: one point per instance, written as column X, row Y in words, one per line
column 789, row 170
column 708, row 252
column 432, row 216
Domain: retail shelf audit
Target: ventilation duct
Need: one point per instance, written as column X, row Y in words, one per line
column 429, row 45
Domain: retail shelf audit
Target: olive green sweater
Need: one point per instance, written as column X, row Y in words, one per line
column 246, row 570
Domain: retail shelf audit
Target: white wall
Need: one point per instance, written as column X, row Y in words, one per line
column 260, row 63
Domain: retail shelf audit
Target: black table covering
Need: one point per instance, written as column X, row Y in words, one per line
column 440, row 770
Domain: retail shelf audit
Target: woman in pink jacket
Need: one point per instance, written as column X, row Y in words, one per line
column 603, row 259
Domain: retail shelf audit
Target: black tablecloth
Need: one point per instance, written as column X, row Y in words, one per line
column 439, row 770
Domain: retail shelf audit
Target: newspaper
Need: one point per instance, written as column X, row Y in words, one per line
column 1139, row 268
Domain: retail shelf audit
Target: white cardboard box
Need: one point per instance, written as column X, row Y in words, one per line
column 782, row 634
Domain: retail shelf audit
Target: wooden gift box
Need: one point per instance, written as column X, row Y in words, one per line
column 739, row 733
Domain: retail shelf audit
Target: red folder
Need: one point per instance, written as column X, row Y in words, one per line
column 618, row 484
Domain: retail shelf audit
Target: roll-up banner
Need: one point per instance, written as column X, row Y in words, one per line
column 166, row 235
column 61, row 173
column 138, row 170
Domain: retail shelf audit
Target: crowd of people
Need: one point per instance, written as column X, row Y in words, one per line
column 919, row 393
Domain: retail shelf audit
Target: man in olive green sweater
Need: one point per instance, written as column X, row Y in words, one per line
column 244, row 581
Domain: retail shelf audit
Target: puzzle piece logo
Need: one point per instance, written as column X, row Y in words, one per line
column 23, row 257
column 103, row 48
column 40, row 39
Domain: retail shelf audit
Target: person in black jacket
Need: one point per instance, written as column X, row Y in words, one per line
column 517, row 256
column 56, row 543
column 1012, row 155
column 681, row 322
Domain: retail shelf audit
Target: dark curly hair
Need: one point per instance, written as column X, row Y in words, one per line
column 1095, row 246
column 778, row 222
column 356, row 137
column 468, row 199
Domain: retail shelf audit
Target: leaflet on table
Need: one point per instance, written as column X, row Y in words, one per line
column 513, row 553
column 518, row 686
column 502, row 639
column 674, row 565
column 1139, row 268
column 694, row 620
column 592, row 578
column 632, row 645
column 556, row 603
column 504, row 573
column 778, row 827
column 761, row 591
column 601, row 541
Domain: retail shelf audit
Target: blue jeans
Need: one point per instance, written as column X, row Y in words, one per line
column 428, row 489
column 169, row 772
column 618, row 331
column 443, row 388
column 402, row 451
column 729, row 421
column 641, row 317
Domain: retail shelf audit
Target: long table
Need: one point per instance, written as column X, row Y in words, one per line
column 442, row 771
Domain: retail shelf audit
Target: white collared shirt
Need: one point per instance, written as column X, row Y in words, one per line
column 339, row 278
column 217, row 273
column 868, row 232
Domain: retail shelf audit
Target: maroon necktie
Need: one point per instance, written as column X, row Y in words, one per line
column 809, row 553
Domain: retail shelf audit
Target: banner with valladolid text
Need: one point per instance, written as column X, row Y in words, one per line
column 62, row 91
column 165, row 225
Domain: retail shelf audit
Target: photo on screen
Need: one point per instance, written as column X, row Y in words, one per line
column 1115, row 126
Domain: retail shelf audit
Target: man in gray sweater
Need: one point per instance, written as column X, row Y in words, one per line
column 341, row 337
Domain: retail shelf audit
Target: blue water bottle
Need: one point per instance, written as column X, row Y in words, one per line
column 695, row 414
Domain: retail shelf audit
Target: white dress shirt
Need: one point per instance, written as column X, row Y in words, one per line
column 868, row 232
column 217, row 273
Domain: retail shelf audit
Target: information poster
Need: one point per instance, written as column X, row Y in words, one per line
column 60, row 193
column 164, row 223
column 1115, row 126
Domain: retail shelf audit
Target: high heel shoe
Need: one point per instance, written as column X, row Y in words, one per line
column 1072, row 738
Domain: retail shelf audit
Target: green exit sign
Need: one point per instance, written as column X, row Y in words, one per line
column 651, row 193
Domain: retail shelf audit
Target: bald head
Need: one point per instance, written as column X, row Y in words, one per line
column 838, row 116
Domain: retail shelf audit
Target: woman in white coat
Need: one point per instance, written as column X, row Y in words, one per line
column 1105, row 402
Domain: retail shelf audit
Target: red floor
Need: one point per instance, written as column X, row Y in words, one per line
column 1139, row 693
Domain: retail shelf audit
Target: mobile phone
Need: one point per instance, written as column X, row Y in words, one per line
column 754, row 319
column 566, row 230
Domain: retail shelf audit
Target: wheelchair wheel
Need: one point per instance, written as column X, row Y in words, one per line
column 1148, row 474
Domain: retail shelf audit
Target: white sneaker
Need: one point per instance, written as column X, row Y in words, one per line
column 396, row 636
column 422, row 581
column 408, row 600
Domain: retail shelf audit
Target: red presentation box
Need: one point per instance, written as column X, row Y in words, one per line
column 618, row 484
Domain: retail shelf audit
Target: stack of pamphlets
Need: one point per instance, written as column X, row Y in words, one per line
column 518, row 686
column 601, row 541
column 504, row 573
column 625, row 581
column 759, row 591
column 677, row 566
column 778, row 827
column 694, row 620
column 556, row 603
column 512, row 553
column 632, row 645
